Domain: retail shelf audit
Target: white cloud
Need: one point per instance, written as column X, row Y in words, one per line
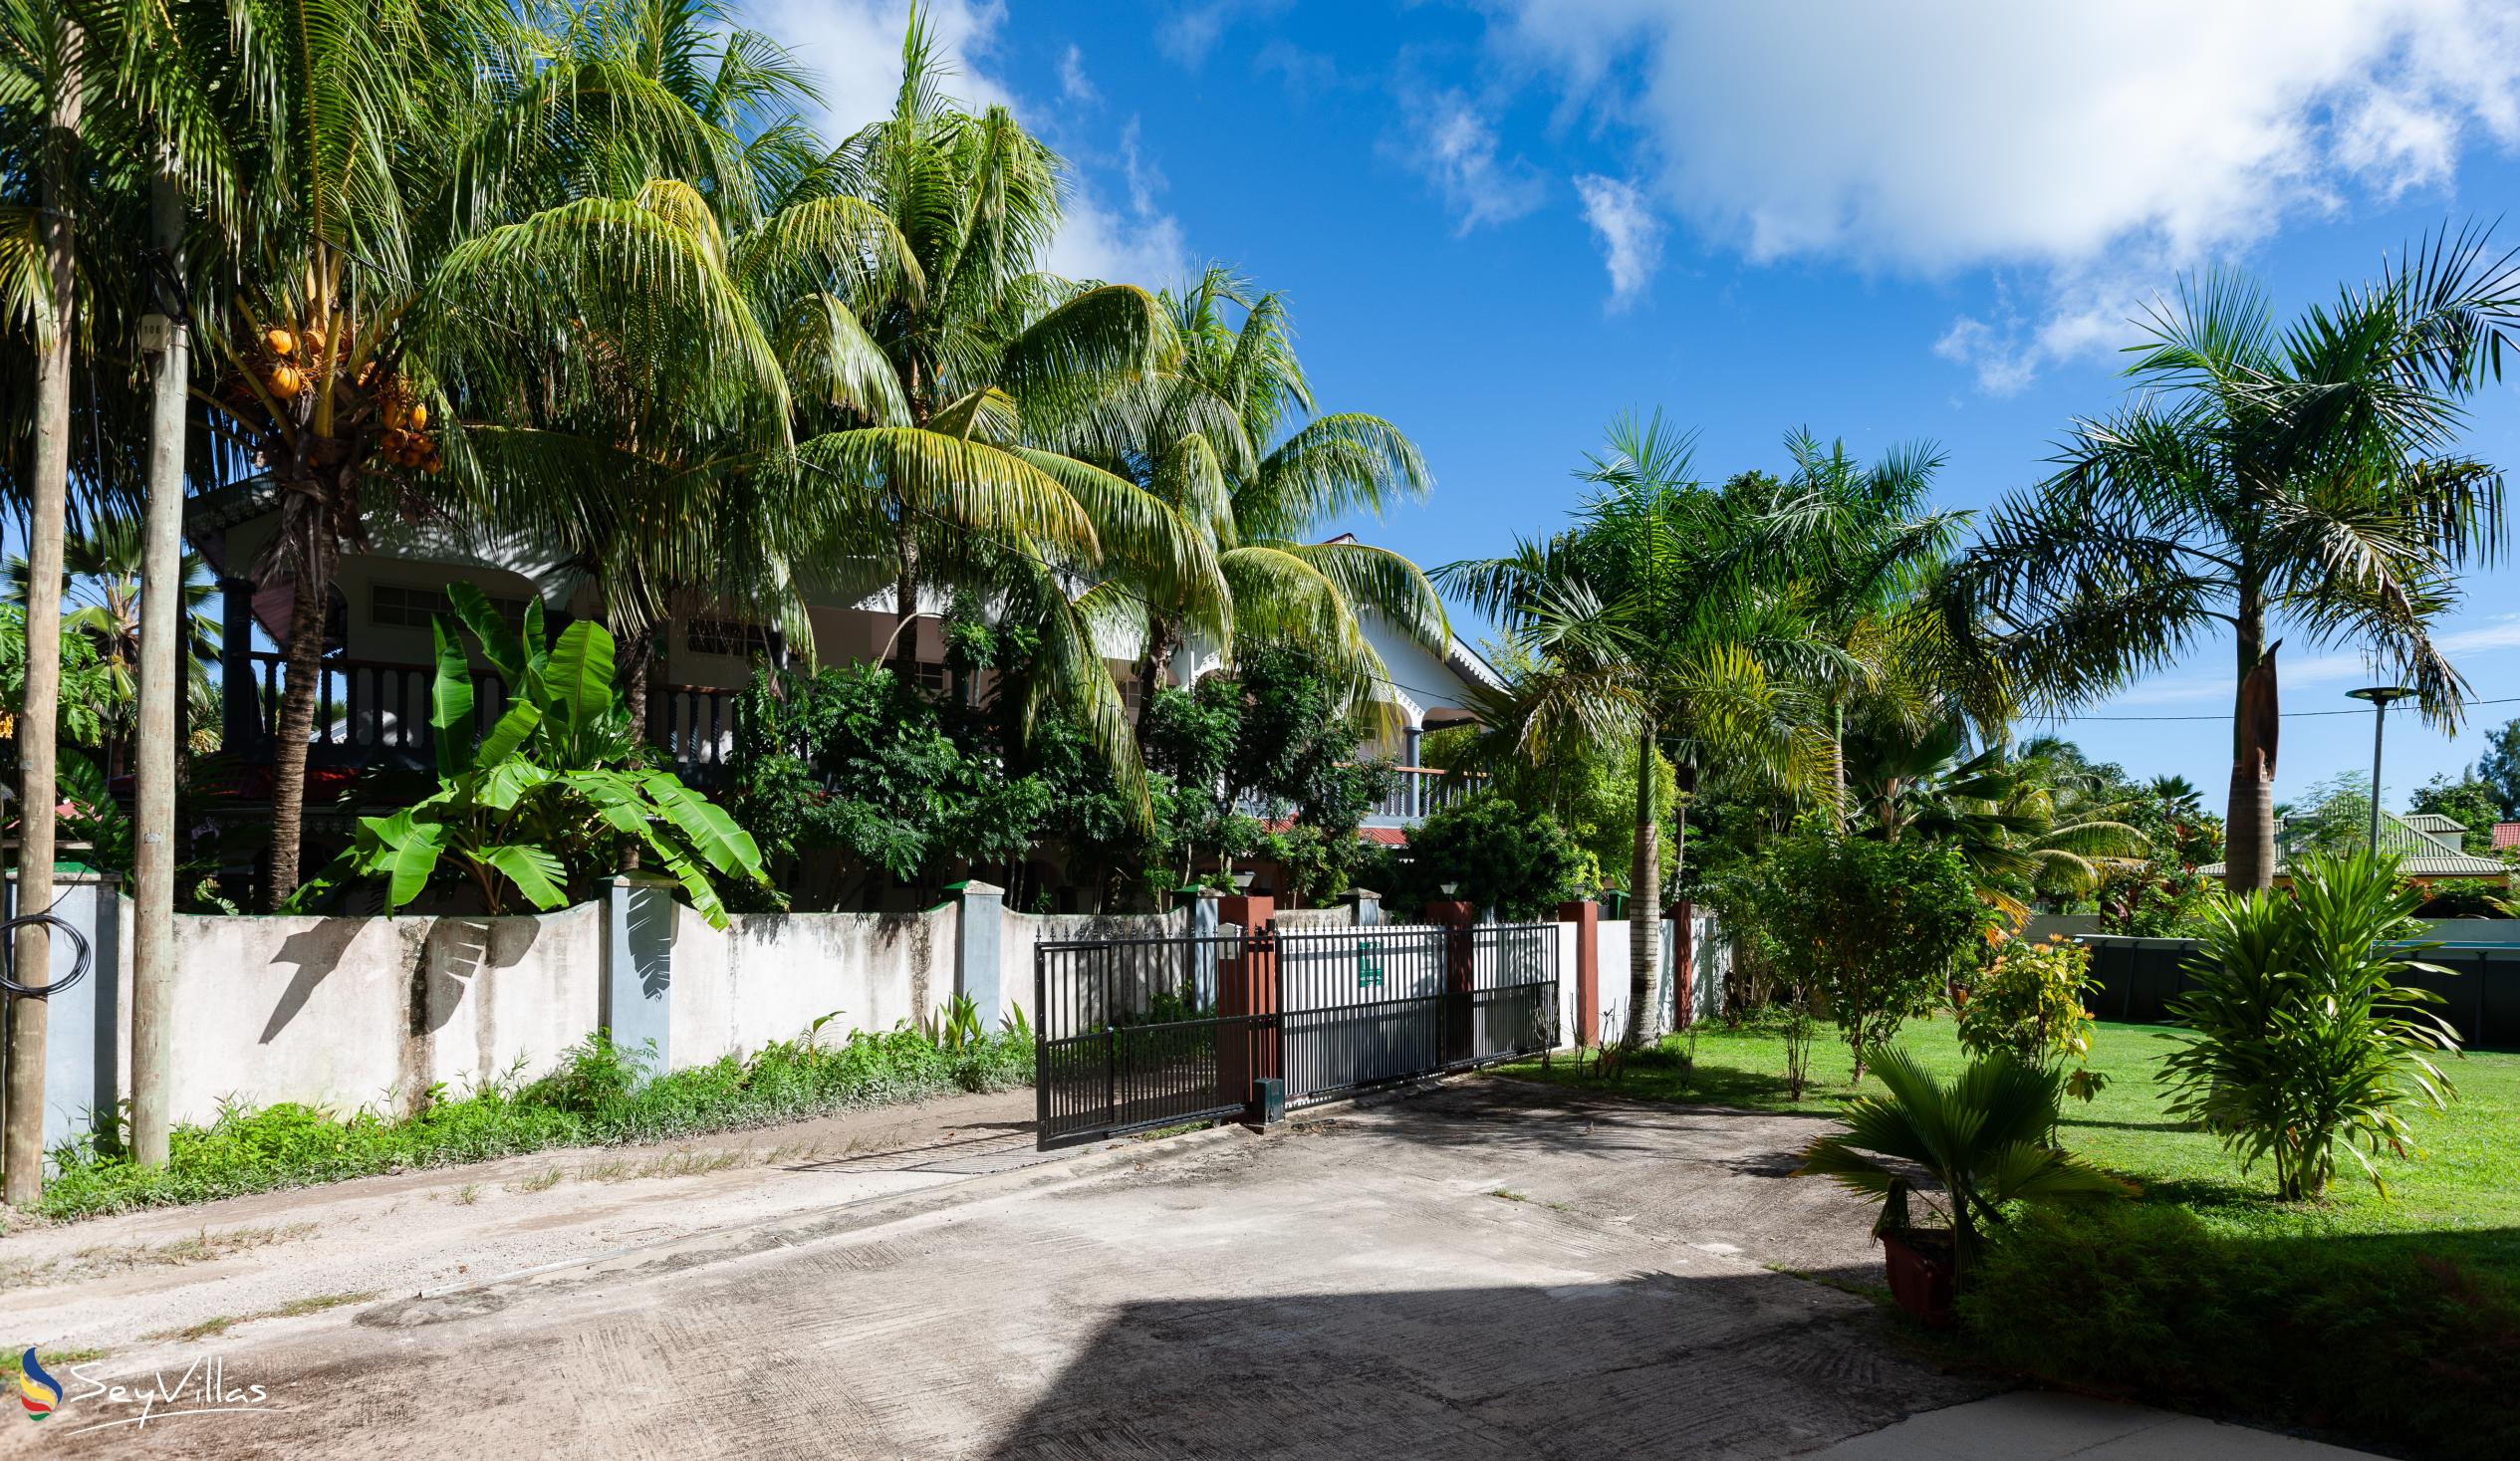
column 1944, row 134
column 855, row 49
column 1190, row 34
column 1075, row 86
column 1137, row 244
column 1456, row 149
column 1630, row 232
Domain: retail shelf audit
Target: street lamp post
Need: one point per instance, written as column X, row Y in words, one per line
column 2381, row 697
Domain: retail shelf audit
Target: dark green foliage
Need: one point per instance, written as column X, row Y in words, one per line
column 2466, row 897
column 2309, row 1042
column 1188, row 739
column 1872, row 926
column 2499, row 767
column 1520, row 864
column 2470, row 802
column 852, row 760
column 2396, row 1342
column 597, row 1097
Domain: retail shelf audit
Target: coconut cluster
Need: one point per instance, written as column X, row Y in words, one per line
column 286, row 368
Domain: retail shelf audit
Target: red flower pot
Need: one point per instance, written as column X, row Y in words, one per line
column 1920, row 1271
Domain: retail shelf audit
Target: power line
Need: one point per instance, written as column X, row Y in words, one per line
column 2225, row 718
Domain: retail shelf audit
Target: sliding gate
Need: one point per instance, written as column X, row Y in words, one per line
column 1138, row 1033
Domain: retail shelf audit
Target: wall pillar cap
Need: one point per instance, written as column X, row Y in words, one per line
column 973, row 887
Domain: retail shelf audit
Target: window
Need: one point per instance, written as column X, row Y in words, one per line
column 730, row 638
column 401, row 607
column 935, row 680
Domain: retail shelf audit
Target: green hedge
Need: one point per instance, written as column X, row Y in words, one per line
column 2393, row 1340
column 598, row 1096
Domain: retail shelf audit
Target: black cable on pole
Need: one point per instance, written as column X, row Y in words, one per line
column 78, row 960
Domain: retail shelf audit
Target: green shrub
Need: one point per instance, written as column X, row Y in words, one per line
column 2308, row 1044
column 600, row 1094
column 1501, row 857
column 1872, row 926
column 2376, row 1339
column 2028, row 1002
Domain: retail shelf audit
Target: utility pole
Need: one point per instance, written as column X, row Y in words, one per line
column 163, row 631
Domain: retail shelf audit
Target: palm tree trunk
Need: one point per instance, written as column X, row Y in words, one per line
column 310, row 596
column 1645, row 895
column 22, row 1151
column 905, row 616
column 1838, row 764
column 2250, row 852
column 1151, row 677
column 165, row 626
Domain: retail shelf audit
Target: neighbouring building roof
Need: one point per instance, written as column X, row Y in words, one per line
column 2427, row 845
column 2506, row 834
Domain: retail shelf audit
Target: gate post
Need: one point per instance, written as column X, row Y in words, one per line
column 1683, row 964
column 1586, row 916
column 1458, row 963
column 1248, row 993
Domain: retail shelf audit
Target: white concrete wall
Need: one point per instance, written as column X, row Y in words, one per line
column 771, row 975
column 1022, row 932
column 345, row 1013
column 1711, row 953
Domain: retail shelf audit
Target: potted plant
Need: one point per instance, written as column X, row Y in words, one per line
column 1980, row 1138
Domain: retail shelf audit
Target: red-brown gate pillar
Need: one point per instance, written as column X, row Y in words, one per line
column 1457, row 966
column 1683, row 965
column 1247, row 993
column 1586, row 916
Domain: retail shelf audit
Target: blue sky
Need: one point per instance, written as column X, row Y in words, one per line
column 1500, row 223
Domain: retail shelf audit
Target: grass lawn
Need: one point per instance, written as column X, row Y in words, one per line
column 2462, row 1191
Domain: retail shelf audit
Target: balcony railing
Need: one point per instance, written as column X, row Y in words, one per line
column 1418, row 791
column 376, row 712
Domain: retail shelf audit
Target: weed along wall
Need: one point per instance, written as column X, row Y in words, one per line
column 769, row 976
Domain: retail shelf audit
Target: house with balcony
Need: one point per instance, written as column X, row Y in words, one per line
column 372, row 703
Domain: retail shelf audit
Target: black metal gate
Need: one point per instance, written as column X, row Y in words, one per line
column 1139, row 1033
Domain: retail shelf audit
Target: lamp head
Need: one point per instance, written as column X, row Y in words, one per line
column 2382, row 696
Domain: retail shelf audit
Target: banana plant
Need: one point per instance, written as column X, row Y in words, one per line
column 547, row 795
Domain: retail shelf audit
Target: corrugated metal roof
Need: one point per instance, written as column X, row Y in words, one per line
column 2427, row 845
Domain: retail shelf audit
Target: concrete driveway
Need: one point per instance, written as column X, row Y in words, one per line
column 1491, row 1270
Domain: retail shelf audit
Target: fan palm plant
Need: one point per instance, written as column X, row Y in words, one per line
column 2268, row 477
column 1982, row 1136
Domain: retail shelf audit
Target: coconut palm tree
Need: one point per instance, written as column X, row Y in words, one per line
column 2303, row 477
column 1229, row 437
column 902, row 341
column 103, row 592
